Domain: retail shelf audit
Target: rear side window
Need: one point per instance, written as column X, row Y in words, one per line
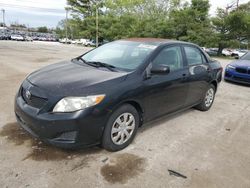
column 194, row 56
column 170, row 56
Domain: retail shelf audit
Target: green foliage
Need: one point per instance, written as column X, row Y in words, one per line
column 174, row 19
column 43, row 29
column 232, row 28
column 16, row 24
column 84, row 8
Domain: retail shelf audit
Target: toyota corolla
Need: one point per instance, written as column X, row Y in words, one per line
column 103, row 96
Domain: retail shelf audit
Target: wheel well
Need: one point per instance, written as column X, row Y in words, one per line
column 138, row 108
column 215, row 84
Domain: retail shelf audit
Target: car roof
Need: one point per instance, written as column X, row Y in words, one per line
column 158, row 41
column 146, row 39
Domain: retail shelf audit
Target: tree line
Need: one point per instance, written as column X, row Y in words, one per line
column 172, row 19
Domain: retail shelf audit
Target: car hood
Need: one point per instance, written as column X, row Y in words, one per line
column 74, row 79
column 241, row 63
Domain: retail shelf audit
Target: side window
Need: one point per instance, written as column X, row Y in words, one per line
column 194, row 56
column 170, row 56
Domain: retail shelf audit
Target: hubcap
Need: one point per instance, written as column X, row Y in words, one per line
column 209, row 97
column 123, row 128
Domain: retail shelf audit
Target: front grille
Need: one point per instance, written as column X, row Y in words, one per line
column 242, row 70
column 228, row 75
column 34, row 101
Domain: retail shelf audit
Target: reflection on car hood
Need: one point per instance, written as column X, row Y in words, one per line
column 67, row 78
column 241, row 63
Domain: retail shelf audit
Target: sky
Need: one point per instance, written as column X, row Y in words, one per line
column 35, row 13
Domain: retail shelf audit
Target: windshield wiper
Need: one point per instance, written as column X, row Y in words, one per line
column 84, row 61
column 100, row 64
column 79, row 59
column 96, row 64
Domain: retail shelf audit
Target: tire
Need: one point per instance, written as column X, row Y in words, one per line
column 127, row 131
column 207, row 102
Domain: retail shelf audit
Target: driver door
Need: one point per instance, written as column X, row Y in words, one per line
column 166, row 93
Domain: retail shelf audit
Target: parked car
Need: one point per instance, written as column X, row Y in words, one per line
column 65, row 41
column 212, row 51
column 4, row 37
column 102, row 42
column 93, row 42
column 28, row 38
column 90, row 43
column 226, row 52
column 17, row 37
column 238, row 53
column 105, row 95
column 239, row 70
column 73, row 41
column 82, row 41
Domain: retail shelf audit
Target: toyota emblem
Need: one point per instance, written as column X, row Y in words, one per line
column 27, row 94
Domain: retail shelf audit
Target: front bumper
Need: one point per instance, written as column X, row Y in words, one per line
column 233, row 76
column 66, row 130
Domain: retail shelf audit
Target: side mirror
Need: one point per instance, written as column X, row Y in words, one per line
column 236, row 57
column 160, row 69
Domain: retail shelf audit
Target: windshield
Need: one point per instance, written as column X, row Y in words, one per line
column 125, row 55
column 246, row 56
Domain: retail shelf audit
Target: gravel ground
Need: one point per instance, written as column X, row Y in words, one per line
column 210, row 148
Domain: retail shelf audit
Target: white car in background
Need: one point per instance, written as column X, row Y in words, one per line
column 226, row 52
column 90, row 43
column 79, row 41
column 28, row 38
column 238, row 53
column 17, row 37
column 74, row 42
column 82, row 41
column 65, row 41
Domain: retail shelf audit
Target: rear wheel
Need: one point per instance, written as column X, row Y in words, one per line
column 121, row 128
column 208, row 99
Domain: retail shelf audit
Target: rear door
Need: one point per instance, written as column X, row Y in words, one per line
column 166, row 93
column 199, row 74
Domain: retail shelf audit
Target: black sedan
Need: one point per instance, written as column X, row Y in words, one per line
column 103, row 96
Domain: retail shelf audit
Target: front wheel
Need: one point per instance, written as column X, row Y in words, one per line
column 121, row 128
column 207, row 100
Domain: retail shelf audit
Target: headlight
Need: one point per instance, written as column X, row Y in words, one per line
column 71, row 104
column 230, row 67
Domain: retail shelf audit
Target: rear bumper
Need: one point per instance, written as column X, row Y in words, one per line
column 233, row 76
column 66, row 130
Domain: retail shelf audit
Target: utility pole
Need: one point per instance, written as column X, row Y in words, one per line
column 237, row 3
column 3, row 17
column 66, row 25
column 97, row 26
